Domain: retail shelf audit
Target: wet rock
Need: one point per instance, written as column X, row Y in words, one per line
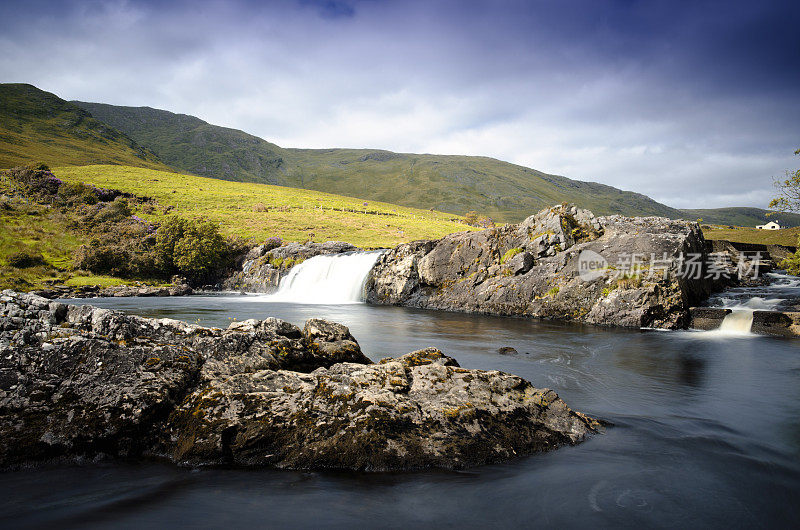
column 507, row 350
column 707, row 318
column 81, row 382
column 532, row 269
column 780, row 323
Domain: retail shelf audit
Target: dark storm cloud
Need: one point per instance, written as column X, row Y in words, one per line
column 694, row 103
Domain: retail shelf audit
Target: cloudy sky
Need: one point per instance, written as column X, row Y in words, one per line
column 695, row 103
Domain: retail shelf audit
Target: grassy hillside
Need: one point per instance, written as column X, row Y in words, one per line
column 786, row 236
column 456, row 184
column 39, row 126
column 261, row 211
column 45, row 233
column 749, row 217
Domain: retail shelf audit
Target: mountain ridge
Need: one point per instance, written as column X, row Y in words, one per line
column 35, row 124
column 39, row 126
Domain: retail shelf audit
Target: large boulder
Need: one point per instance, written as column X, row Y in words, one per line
column 534, row 269
column 81, row 382
column 417, row 411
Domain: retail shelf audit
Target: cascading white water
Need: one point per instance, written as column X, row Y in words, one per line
column 737, row 321
column 740, row 320
column 334, row 279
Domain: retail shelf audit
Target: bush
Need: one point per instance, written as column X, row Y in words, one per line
column 34, row 179
column 194, row 249
column 272, row 243
column 24, row 260
column 103, row 259
column 75, row 194
column 114, row 211
column 792, row 263
column 471, row 218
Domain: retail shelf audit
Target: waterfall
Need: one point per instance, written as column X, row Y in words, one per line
column 332, row 279
column 737, row 321
column 744, row 301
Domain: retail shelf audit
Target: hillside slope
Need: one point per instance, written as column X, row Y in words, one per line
column 261, row 211
column 189, row 144
column 450, row 183
column 37, row 126
column 456, row 184
column 750, row 217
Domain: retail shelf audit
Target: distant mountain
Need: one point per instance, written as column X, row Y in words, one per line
column 37, row 126
column 189, row 144
column 456, row 184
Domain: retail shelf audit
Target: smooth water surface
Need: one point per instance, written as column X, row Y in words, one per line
column 706, row 432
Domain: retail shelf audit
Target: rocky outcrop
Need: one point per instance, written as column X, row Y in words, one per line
column 82, row 382
column 93, row 291
column 262, row 268
column 635, row 276
column 780, row 323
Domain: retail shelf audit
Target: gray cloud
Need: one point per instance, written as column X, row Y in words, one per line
column 657, row 97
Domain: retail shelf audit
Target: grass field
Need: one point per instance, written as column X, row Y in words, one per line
column 260, row 210
column 41, row 231
column 786, row 236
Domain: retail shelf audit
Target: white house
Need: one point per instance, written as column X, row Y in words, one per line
column 772, row 225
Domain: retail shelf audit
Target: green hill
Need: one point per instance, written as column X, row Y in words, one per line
column 742, row 217
column 449, row 183
column 456, row 184
column 37, row 126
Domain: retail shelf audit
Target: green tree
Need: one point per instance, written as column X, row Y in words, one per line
column 788, row 199
column 192, row 248
column 201, row 251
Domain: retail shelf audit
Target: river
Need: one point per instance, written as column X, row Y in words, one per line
column 706, row 432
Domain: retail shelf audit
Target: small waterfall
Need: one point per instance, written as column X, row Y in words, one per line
column 334, row 279
column 744, row 301
column 737, row 321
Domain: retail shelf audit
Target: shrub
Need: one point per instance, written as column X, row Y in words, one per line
column 194, row 249
column 103, row 259
column 34, row 179
column 112, row 212
column 74, row 194
column 24, row 260
column 471, row 218
column 792, row 263
column 272, row 243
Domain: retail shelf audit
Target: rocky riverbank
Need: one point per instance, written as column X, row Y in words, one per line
column 638, row 275
column 95, row 291
column 79, row 382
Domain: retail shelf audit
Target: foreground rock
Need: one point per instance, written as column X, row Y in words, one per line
column 262, row 268
column 533, row 269
column 81, row 382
